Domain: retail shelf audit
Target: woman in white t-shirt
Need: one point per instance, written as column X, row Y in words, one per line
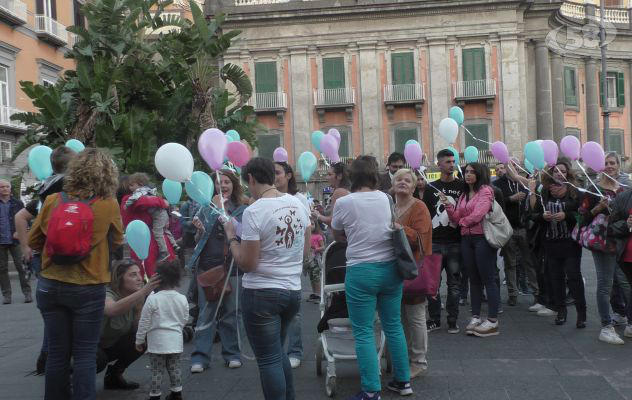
column 363, row 220
column 274, row 240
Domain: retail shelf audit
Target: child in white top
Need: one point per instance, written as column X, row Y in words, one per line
column 164, row 315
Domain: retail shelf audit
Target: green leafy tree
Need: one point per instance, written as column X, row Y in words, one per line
column 133, row 90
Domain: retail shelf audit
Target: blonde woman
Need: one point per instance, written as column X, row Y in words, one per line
column 71, row 297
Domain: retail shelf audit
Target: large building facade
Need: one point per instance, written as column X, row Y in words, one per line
column 383, row 72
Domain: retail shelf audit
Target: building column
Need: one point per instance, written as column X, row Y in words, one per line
column 513, row 102
column 369, row 96
column 300, row 99
column 592, row 101
column 440, row 88
column 543, row 105
column 557, row 96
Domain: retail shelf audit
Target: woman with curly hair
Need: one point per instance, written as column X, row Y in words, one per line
column 71, row 296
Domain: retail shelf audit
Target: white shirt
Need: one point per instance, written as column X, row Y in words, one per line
column 164, row 315
column 279, row 225
column 365, row 217
column 304, row 201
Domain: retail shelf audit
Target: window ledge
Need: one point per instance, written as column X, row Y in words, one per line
column 571, row 108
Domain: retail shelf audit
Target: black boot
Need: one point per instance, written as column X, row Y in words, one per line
column 561, row 316
column 40, row 365
column 114, row 380
column 174, row 396
column 581, row 318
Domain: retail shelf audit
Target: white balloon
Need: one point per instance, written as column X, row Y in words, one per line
column 174, row 162
column 449, row 130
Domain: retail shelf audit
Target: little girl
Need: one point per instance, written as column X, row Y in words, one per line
column 313, row 268
column 164, row 315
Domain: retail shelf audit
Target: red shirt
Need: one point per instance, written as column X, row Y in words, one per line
column 627, row 254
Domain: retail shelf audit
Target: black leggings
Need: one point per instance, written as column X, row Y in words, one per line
column 560, row 271
column 123, row 352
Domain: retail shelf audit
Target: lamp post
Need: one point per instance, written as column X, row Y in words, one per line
column 604, row 70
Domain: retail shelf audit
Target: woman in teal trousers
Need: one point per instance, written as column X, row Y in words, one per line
column 363, row 220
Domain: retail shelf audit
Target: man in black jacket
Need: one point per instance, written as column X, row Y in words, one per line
column 9, row 244
column 395, row 162
column 517, row 249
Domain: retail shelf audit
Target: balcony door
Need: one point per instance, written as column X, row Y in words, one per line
column 46, row 7
column 473, row 64
column 4, row 94
column 402, row 68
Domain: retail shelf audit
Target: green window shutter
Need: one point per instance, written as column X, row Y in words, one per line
column 334, row 73
column 267, row 144
column 345, row 143
column 402, row 135
column 403, row 68
column 620, row 90
column 265, row 77
column 615, row 142
column 473, row 64
column 480, row 131
column 570, row 89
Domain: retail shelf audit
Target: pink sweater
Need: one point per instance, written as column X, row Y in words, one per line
column 469, row 215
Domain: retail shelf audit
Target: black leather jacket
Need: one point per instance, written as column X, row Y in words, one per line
column 617, row 223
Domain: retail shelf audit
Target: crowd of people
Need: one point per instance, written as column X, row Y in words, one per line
column 103, row 310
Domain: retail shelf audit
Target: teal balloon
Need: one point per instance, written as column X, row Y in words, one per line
column 317, row 136
column 233, row 136
column 457, row 159
column 307, row 164
column 75, row 145
column 411, row 141
column 535, row 155
column 470, row 154
column 138, row 237
column 528, row 166
column 200, row 188
column 39, row 162
column 456, row 113
column 172, row 191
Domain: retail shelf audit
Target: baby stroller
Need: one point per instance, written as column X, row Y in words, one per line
column 336, row 340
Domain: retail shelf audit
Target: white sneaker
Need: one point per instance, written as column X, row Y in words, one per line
column 295, row 362
column 619, row 320
column 628, row 331
column 234, row 364
column 536, row 307
column 487, row 328
column 474, row 322
column 196, row 368
column 546, row 312
column 609, row 335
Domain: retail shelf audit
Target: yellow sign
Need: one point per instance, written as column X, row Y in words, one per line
column 433, row 176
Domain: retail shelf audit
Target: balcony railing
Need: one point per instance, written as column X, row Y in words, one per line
column 483, row 88
column 578, row 11
column 258, row 2
column 404, row 93
column 573, row 10
column 51, row 29
column 334, row 97
column 271, row 101
column 5, row 118
column 14, row 10
column 74, row 39
column 614, row 15
column 612, row 102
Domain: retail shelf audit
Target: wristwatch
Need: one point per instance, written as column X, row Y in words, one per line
column 230, row 241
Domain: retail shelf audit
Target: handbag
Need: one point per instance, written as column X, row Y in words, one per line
column 497, row 227
column 427, row 282
column 406, row 264
column 213, row 282
column 594, row 236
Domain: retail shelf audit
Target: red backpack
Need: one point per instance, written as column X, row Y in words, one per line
column 69, row 236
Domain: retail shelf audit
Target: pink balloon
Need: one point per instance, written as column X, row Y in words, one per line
column 329, row 146
column 499, row 150
column 279, row 155
column 551, row 151
column 238, row 154
column 413, row 155
column 335, row 159
column 334, row 132
column 212, row 147
column 570, row 147
column 593, row 156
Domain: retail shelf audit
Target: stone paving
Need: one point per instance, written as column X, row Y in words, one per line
column 531, row 359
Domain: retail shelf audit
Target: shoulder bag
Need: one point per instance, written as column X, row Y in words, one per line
column 406, row 265
column 496, row 226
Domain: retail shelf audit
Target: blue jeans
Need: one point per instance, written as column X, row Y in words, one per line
column 36, row 268
column 371, row 286
column 267, row 316
column 227, row 324
column 480, row 260
column 294, row 336
column 606, row 267
column 73, row 315
column 621, row 293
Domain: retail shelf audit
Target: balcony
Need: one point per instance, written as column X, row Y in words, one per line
column 272, row 102
column 473, row 91
column 407, row 94
column 612, row 103
column 259, row 2
column 579, row 11
column 50, row 30
column 74, row 39
column 341, row 98
column 7, row 123
column 13, row 11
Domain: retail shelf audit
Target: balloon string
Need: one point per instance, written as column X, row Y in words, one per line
column 588, row 177
column 142, row 263
column 325, row 160
column 614, row 180
column 474, row 137
column 219, row 192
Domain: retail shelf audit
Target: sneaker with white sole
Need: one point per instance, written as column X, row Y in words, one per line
column 474, row 322
column 234, row 364
column 487, row 328
column 417, row 370
column 453, row 328
column 628, row 331
column 197, row 368
column 295, row 362
column 610, row 336
column 403, row 388
column 546, row 312
column 536, row 307
column 619, row 320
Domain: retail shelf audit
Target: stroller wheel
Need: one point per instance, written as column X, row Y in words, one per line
column 319, row 358
column 331, row 386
